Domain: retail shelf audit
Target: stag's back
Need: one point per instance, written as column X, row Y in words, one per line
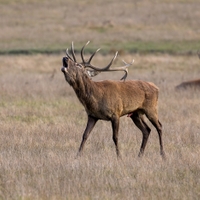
column 125, row 97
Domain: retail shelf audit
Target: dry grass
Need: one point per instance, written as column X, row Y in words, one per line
column 42, row 123
column 41, row 120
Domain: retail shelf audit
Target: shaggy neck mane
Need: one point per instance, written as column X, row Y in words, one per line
column 83, row 88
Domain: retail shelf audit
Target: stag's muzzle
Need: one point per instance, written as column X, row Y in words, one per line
column 63, row 69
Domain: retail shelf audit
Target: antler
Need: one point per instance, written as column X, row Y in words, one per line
column 107, row 68
column 72, row 52
column 96, row 70
column 87, row 63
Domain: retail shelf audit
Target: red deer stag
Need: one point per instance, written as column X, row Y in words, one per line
column 109, row 100
column 190, row 84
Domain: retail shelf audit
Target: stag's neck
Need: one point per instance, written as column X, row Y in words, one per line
column 84, row 89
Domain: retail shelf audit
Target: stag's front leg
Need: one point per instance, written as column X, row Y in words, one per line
column 90, row 125
column 115, row 128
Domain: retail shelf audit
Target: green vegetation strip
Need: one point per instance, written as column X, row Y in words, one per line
column 170, row 47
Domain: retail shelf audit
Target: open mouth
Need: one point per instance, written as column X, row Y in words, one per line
column 64, row 60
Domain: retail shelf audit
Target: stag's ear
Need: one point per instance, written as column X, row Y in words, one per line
column 80, row 66
column 92, row 73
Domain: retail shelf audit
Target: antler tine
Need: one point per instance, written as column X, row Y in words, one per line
column 72, row 51
column 123, row 68
column 108, row 66
column 83, row 60
column 67, row 54
column 128, row 64
column 88, row 62
column 126, row 69
column 101, row 69
column 125, row 75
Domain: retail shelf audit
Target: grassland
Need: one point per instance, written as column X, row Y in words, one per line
column 41, row 120
column 42, row 123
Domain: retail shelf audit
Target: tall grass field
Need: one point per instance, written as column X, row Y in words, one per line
column 42, row 121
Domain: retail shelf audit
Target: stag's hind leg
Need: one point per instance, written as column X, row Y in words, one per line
column 141, row 124
column 153, row 117
column 115, row 128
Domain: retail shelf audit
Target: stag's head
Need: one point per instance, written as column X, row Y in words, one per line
column 72, row 69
